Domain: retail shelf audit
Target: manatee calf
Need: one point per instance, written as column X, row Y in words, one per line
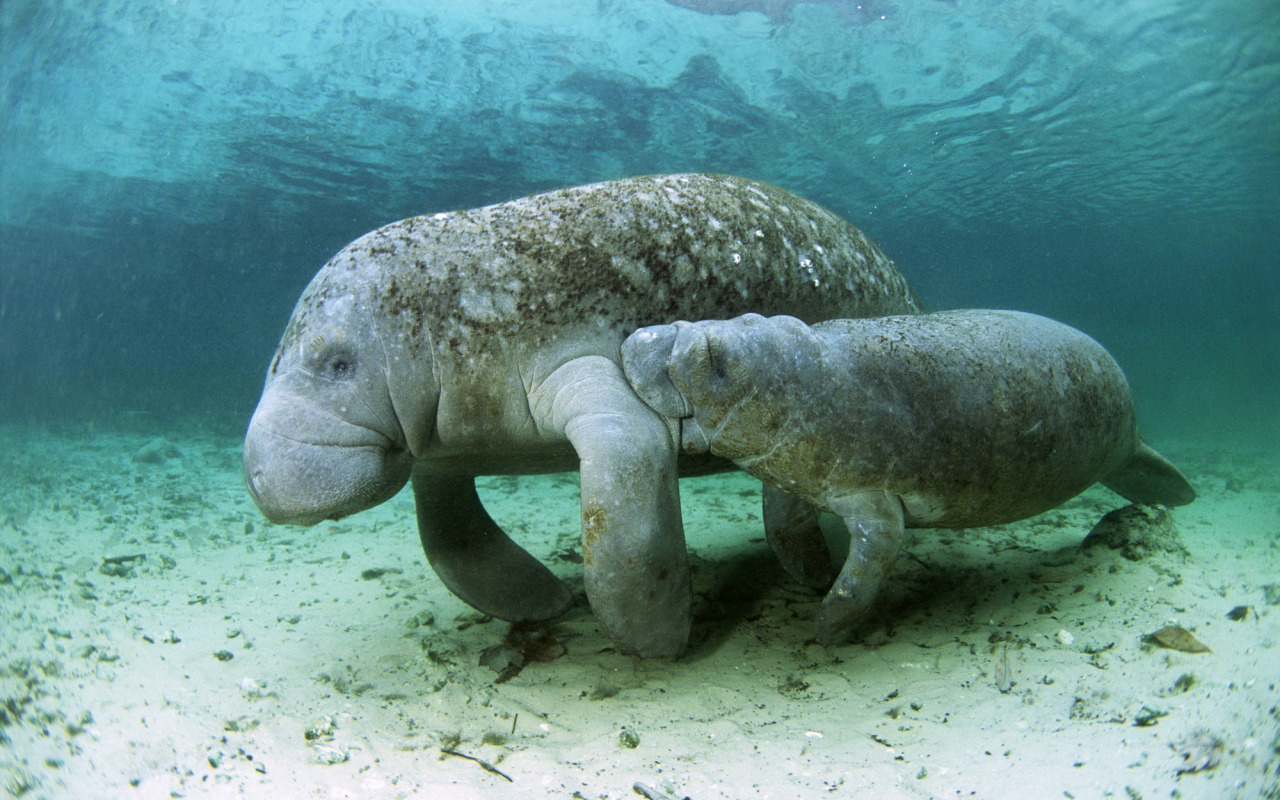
column 486, row 341
column 947, row 420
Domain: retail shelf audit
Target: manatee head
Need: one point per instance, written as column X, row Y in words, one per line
column 327, row 438
column 715, row 375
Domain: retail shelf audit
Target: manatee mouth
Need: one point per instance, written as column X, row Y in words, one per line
column 302, row 483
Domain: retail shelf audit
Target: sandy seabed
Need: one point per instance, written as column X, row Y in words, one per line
column 162, row 640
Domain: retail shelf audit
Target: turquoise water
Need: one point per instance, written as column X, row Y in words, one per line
column 174, row 173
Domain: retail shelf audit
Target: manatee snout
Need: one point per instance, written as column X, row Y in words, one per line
column 708, row 358
column 697, row 365
column 299, row 483
column 302, row 469
column 676, row 367
column 646, row 357
column 684, row 366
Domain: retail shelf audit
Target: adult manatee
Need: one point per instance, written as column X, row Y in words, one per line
column 486, row 341
column 948, row 420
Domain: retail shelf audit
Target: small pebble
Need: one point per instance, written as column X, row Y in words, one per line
column 255, row 689
column 321, row 728
column 329, row 756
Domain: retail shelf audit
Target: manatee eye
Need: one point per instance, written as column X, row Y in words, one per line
column 715, row 359
column 333, row 360
column 339, row 366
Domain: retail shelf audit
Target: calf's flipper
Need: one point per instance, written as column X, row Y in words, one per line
column 875, row 522
column 791, row 527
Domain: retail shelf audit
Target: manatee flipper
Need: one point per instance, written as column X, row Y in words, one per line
column 875, row 522
column 791, row 526
column 633, row 551
column 475, row 559
column 1148, row 477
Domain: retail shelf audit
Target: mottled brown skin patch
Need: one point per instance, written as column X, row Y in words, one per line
column 595, row 522
column 629, row 253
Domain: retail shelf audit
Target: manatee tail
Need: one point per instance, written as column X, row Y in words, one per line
column 1148, row 477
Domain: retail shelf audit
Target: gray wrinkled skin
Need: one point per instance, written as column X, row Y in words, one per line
column 955, row 419
column 486, row 341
